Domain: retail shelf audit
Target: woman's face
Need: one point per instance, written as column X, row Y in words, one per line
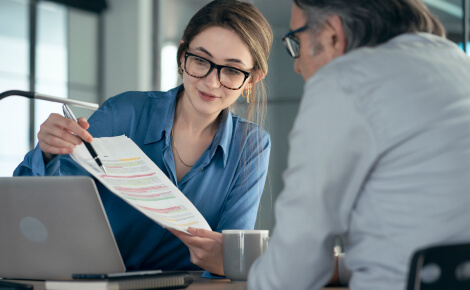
column 221, row 46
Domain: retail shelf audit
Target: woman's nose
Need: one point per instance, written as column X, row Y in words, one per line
column 212, row 79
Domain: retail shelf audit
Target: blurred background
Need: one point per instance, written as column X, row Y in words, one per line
column 91, row 50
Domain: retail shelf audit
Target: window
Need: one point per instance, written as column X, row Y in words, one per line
column 66, row 65
column 14, row 73
column 169, row 67
column 51, row 59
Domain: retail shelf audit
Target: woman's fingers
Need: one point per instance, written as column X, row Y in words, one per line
column 52, row 147
column 199, row 238
column 205, row 248
column 190, row 240
column 84, row 123
column 78, row 128
column 59, row 135
column 205, row 234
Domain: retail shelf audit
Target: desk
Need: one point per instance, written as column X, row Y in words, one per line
column 198, row 284
column 225, row 284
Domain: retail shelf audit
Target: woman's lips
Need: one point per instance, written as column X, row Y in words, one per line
column 207, row 97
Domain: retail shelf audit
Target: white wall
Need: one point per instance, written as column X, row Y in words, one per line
column 83, row 59
column 127, row 46
column 284, row 89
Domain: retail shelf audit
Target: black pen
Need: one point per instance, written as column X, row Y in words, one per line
column 69, row 115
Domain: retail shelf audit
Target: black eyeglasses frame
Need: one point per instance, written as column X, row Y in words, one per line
column 290, row 35
column 218, row 67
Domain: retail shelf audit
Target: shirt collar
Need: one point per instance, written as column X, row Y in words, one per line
column 223, row 137
column 164, row 109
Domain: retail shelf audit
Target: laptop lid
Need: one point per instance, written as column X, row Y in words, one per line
column 53, row 227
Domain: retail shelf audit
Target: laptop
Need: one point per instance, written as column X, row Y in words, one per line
column 54, row 227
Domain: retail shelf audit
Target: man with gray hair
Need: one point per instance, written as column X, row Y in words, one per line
column 380, row 149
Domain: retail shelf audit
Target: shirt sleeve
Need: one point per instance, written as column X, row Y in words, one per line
column 329, row 158
column 241, row 207
column 33, row 163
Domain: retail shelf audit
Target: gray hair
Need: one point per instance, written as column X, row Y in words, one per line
column 371, row 22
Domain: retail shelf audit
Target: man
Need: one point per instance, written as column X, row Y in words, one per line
column 380, row 149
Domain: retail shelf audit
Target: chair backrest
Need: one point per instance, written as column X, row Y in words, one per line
column 444, row 267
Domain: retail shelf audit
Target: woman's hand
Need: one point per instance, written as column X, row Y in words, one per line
column 57, row 135
column 205, row 248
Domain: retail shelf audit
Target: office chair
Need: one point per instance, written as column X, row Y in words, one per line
column 444, row 267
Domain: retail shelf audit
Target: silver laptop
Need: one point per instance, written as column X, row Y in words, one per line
column 53, row 227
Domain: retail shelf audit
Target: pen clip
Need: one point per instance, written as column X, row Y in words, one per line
column 68, row 113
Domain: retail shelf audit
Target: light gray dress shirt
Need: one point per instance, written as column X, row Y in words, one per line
column 379, row 153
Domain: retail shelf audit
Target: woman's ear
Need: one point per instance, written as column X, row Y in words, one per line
column 181, row 63
column 181, row 68
column 256, row 77
column 181, row 56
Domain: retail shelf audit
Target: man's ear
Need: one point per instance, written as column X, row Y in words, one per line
column 336, row 35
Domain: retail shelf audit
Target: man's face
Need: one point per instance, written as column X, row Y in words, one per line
column 314, row 52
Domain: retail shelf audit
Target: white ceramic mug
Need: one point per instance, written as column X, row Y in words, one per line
column 241, row 248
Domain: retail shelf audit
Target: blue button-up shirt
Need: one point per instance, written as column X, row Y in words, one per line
column 225, row 184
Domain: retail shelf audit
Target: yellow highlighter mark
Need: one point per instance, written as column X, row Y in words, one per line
column 167, row 219
column 130, row 159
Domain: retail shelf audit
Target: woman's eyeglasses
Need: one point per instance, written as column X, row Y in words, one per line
column 292, row 43
column 199, row 67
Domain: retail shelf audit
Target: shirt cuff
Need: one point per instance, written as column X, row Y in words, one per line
column 209, row 275
column 37, row 162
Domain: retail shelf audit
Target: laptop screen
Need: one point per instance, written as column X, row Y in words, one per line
column 53, row 227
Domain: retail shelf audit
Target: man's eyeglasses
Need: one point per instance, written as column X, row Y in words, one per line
column 292, row 43
column 199, row 67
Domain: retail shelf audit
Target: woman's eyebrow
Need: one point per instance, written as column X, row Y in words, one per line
column 202, row 49
column 234, row 60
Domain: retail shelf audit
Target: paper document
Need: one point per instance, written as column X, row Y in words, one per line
column 136, row 179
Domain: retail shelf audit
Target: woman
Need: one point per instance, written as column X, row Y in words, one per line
column 217, row 159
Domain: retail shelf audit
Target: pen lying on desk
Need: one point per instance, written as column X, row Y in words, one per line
column 69, row 115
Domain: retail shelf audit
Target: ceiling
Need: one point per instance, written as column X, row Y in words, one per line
column 449, row 12
column 277, row 12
